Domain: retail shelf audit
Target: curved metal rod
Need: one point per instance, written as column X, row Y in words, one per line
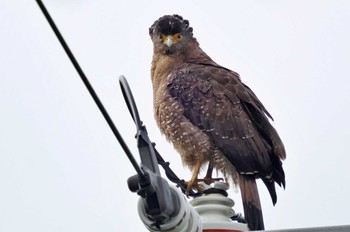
column 130, row 102
column 146, row 156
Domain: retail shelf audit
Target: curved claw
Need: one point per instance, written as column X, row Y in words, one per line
column 194, row 184
column 209, row 180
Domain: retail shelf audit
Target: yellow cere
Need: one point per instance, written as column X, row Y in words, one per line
column 175, row 38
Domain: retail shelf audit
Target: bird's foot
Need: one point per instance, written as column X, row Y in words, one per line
column 209, row 180
column 194, row 184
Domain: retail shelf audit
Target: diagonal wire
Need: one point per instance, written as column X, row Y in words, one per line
column 90, row 89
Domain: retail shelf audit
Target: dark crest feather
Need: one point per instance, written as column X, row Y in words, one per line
column 170, row 24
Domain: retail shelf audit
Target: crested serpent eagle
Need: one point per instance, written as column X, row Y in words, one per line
column 211, row 117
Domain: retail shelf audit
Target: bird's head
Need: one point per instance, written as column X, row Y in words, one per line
column 170, row 34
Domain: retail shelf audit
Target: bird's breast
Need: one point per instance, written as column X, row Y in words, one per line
column 188, row 139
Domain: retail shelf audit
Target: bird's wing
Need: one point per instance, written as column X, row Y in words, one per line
column 216, row 101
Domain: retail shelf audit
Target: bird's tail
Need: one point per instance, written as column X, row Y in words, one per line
column 251, row 203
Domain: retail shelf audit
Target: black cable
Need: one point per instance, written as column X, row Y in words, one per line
column 90, row 89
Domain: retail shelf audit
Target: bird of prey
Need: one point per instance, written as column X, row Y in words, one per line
column 211, row 117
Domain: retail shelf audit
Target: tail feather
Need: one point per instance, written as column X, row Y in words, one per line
column 251, row 203
column 270, row 185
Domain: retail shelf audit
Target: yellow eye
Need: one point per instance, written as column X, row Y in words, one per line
column 177, row 37
column 160, row 37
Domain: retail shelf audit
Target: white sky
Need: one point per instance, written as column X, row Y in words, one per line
column 61, row 169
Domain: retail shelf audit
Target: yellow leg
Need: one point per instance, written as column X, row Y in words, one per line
column 194, row 179
column 209, row 171
column 208, row 179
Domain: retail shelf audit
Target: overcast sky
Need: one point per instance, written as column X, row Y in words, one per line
column 61, row 169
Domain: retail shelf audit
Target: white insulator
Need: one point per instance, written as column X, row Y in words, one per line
column 215, row 211
column 186, row 220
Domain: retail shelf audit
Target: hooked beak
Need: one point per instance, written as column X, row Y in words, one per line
column 169, row 41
